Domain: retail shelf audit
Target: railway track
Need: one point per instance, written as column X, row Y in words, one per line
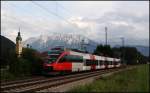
column 44, row 83
column 21, row 81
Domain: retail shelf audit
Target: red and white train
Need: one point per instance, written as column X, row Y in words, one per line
column 66, row 60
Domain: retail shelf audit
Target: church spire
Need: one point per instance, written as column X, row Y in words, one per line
column 19, row 36
column 18, row 44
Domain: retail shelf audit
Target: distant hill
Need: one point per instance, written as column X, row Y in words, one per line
column 142, row 49
column 7, row 48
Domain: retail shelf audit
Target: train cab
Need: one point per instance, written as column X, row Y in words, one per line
column 51, row 62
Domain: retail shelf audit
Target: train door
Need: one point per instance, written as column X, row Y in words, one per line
column 106, row 63
column 92, row 63
column 93, row 67
column 98, row 65
column 84, row 64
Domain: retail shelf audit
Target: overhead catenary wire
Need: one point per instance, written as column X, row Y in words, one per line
column 63, row 8
column 22, row 20
column 44, row 17
column 48, row 11
column 16, row 19
column 53, row 13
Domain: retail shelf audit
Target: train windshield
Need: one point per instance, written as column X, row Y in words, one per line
column 53, row 54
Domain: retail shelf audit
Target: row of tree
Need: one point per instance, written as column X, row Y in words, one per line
column 128, row 55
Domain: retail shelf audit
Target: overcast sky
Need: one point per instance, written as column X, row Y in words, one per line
column 128, row 19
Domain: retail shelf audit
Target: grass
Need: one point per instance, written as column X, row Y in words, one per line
column 135, row 80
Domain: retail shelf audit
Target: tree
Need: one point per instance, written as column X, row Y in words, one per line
column 132, row 55
column 29, row 64
column 20, row 67
column 98, row 50
column 105, row 50
column 34, row 57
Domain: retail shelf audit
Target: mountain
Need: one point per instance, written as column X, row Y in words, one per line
column 142, row 49
column 7, row 48
column 44, row 42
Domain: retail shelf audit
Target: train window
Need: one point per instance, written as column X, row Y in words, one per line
column 96, row 62
column 62, row 60
column 106, row 62
column 110, row 62
column 75, row 58
column 72, row 58
column 101, row 62
column 52, row 58
column 88, row 62
column 91, row 62
column 51, row 52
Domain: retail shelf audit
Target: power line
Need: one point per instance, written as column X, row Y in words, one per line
column 50, row 12
column 106, row 35
column 12, row 5
column 42, row 17
column 25, row 10
column 53, row 13
column 64, row 8
column 123, row 51
column 16, row 19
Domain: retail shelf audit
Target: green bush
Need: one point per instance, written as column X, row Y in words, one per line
column 30, row 63
column 20, row 67
column 6, row 75
column 33, row 57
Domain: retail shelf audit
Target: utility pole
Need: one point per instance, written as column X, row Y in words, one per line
column 83, row 45
column 106, row 35
column 122, row 50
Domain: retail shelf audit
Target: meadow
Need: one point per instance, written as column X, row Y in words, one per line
column 134, row 80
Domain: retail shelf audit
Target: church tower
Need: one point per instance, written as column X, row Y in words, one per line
column 19, row 45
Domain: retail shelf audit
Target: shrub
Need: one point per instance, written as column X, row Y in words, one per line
column 29, row 64
column 20, row 67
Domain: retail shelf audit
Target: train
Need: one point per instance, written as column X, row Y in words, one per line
column 64, row 60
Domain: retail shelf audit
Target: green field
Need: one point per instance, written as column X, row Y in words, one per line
column 135, row 80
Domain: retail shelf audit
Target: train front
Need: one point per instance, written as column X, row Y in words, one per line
column 51, row 61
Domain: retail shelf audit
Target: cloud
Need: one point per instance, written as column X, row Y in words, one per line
column 123, row 23
column 123, row 19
